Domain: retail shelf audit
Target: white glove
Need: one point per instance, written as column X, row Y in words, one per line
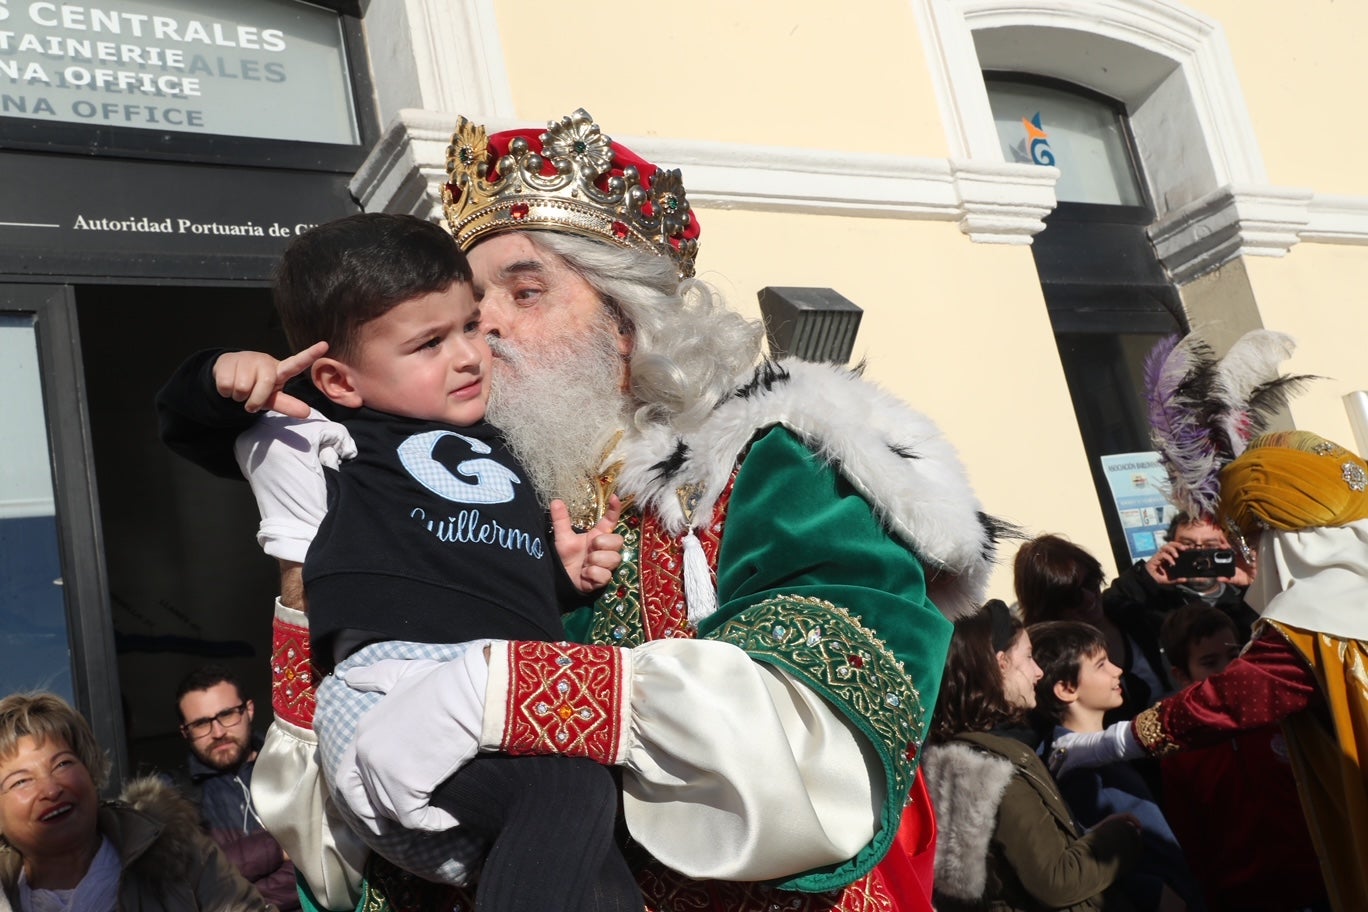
column 1079, row 750
column 282, row 458
column 426, row 728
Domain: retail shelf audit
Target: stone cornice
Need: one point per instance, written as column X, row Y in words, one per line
column 1254, row 221
column 993, row 202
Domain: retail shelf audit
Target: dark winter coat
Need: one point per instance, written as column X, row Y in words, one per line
column 1138, row 604
column 1007, row 841
column 224, row 799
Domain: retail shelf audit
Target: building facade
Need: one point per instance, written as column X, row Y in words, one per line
column 1021, row 195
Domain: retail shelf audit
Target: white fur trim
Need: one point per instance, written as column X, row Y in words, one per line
column 966, row 787
column 854, row 425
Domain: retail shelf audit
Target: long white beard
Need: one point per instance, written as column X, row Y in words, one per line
column 558, row 403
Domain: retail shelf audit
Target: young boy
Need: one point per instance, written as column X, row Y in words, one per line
column 1079, row 685
column 1223, row 801
column 433, row 545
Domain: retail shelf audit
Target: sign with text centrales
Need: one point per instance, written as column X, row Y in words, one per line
column 267, row 69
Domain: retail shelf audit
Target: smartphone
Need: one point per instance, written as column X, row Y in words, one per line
column 1203, row 563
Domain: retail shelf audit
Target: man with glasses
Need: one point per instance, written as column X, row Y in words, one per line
column 216, row 721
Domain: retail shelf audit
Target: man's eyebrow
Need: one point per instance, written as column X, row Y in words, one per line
column 522, row 267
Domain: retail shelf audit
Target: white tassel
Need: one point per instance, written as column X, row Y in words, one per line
column 698, row 584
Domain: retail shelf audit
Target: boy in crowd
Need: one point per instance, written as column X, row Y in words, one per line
column 433, row 544
column 1078, row 686
column 1223, row 801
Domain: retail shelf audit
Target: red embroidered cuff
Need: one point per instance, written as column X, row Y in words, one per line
column 293, row 676
column 565, row 698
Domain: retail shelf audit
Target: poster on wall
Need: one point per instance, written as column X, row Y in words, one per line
column 1136, row 482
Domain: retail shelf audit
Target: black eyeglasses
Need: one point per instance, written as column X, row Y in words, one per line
column 226, row 718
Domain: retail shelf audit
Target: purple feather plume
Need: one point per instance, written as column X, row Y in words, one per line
column 1177, row 382
column 1203, row 411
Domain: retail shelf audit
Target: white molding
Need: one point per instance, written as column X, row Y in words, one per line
column 994, row 202
column 1254, row 221
column 1164, row 28
column 1004, row 203
column 1231, row 222
column 1337, row 219
column 459, row 57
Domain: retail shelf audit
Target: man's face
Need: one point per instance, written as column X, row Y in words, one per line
column 220, row 745
column 559, row 367
column 531, row 297
column 1201, row 535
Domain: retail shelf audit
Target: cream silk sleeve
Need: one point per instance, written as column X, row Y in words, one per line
column 288, row 791
column 733, row 771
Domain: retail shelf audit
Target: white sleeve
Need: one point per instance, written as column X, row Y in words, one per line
column 283, row 458
column 733, row 770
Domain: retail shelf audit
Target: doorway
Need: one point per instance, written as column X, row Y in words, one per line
column 187, row 583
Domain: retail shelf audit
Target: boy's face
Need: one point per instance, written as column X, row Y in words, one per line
column 1099, row 682
column 1210, row 655
column 426, row 358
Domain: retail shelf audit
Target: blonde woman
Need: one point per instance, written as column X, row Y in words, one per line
column 62, row 848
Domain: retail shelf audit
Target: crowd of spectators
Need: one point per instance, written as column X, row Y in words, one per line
column 1191, row 830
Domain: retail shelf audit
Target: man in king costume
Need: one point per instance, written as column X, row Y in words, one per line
column 764, row 663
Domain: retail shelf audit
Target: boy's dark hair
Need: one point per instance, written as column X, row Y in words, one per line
column 1051, row 575
column 1060, row 648
column 1192, row 622
column 205, row 677
column 335, row 278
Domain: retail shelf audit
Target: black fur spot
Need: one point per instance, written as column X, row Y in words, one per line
column 999, row 529
column 670, row 465
column 904, row 452
column 766, row 376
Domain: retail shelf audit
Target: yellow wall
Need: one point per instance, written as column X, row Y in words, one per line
column 957, row 329
column 1314, row 294
column 1301, row 66
column 802, row 73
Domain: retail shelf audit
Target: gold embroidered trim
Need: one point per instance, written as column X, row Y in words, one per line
column 564, row 698
column 845, row 662
column 667, row 891
column 1149, row 730
column 645, row 600
column 294, row 679
column 617, row 613
column 390, row 889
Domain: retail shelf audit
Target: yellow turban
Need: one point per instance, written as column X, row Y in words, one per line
column 1293, row 480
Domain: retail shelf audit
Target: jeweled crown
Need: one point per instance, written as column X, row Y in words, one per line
column 570, row 178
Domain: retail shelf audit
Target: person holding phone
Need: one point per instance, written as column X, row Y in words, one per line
column 1187, row 568
column 1300, row 502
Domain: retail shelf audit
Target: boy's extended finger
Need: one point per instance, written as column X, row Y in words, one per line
column 300, row 361
column 289, row 405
